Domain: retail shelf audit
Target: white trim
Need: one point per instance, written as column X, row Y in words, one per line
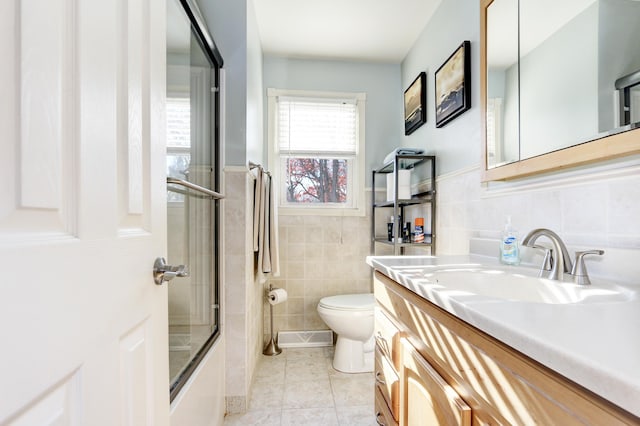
column 628, row 167
column 358, row 178
column 616, row 170
column 272, row 93
column 456, row 173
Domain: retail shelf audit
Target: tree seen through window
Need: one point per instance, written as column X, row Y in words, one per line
column 316, row 180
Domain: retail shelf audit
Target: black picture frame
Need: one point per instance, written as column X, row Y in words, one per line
column 415, row 104
column 453, row 85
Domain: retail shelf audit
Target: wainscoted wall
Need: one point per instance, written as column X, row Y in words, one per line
column 592, row 208
column 319, row 256
column 242, row 295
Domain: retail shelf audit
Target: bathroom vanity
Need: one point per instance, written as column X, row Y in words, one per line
column 459, row 354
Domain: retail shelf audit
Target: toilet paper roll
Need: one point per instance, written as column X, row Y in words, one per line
column 277, row 295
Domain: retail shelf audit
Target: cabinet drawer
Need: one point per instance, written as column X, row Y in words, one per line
column 388, row 382
column 383, row 414
column 429, row 400
column 388, row 336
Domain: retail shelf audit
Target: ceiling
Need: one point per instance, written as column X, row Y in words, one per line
column 361, row 30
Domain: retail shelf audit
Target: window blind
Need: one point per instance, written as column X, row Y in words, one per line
column 178, row 122
column 317, row 125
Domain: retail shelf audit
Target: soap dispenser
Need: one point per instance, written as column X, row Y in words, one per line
column 509, row 250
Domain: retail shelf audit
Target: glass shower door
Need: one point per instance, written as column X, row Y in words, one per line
column 192, row 212
column 192, row 300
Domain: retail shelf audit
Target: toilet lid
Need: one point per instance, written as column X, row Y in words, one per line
column 349, row 302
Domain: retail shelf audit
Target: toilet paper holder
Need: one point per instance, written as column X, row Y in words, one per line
column 272, row 347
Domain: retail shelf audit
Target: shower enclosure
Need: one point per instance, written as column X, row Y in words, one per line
column 193, row 181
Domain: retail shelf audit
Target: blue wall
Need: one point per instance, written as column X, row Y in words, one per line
column 457, row 145
column 227, row 22
column 380, row 81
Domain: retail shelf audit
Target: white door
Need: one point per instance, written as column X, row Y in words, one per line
column 83, row 327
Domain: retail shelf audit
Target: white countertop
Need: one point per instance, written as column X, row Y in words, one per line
column 597, row 345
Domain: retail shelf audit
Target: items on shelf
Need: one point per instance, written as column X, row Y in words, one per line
column 414, row 177
column 418, row 232
column 402, row 151
column 404, row 185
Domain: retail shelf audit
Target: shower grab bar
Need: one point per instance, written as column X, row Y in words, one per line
column 213, row 194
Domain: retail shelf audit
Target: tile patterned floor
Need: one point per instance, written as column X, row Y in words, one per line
column 300, row 387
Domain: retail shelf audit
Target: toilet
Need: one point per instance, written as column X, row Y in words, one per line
column 351, row 317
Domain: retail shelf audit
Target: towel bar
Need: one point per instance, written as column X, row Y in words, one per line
column 213, row 194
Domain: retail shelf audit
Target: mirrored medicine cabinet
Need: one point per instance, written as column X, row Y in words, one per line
column 560, row 84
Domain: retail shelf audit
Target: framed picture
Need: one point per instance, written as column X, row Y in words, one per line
column 415, row 104
column 453, row 85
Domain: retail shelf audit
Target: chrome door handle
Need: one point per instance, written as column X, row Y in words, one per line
column 163, row 272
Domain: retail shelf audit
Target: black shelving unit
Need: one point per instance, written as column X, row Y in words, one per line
column 425, row 194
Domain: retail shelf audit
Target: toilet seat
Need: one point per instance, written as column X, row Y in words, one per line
column 348, row 302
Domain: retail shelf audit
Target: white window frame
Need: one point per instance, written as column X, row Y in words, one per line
column 356, row 178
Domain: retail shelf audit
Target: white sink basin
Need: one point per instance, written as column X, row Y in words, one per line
column 499, row 284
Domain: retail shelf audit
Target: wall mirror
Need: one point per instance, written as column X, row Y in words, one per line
column 560, row 84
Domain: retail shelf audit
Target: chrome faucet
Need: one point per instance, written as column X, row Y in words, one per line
column 579, row 271
column 557, row 260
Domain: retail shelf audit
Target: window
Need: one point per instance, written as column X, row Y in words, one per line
column 316, row 142
column 178, row 141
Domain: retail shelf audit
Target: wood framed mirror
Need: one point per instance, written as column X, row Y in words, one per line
column 549, row 84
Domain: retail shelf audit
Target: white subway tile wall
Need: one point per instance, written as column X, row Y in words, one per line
column 598, row 210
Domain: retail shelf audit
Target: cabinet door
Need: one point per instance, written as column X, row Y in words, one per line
column 427, row 398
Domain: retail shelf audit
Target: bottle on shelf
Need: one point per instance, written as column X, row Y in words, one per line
column 406, row 232
column 418, row 230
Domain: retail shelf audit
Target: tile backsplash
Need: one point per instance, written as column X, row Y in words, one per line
column 596, row 208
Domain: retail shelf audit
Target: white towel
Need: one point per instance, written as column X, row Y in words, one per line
column 257, row 201
column 400, row 151
column 274, row 241
column 266, row 227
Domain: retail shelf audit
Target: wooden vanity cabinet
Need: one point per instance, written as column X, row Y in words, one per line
column 388, row 351
column 383, row 413
column 427, row 397
column 464, row 376
column 402, row 374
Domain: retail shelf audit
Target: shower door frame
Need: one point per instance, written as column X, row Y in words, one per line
column 205, row 40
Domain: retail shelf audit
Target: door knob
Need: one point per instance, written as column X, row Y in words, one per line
column 163, row 272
